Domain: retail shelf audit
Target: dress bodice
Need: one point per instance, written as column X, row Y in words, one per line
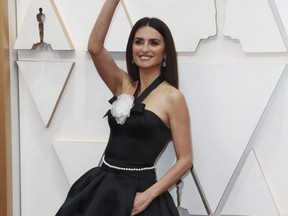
column 141, row 138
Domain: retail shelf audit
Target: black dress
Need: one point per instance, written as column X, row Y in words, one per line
column 106, row 191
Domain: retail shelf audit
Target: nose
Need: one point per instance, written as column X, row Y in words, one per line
column 145, row 47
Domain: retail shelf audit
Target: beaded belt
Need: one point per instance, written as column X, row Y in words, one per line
column 126, row 168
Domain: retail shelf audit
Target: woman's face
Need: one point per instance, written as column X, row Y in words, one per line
column 148, row 48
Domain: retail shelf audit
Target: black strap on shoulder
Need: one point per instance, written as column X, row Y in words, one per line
column 147, row 91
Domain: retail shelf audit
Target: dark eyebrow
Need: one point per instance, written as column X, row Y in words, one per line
column 155, row 39
column 151, row 39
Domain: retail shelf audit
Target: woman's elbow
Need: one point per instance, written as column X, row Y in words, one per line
column 187, row 163
column 93, row 49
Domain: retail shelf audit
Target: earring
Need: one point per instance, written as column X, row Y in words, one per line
column 164, row 63
column 132, row 61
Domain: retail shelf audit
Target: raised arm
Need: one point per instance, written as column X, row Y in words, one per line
column 111, row 74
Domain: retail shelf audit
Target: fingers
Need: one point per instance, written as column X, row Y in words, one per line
column 141, row 202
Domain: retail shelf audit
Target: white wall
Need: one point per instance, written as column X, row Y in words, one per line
column 236, row 91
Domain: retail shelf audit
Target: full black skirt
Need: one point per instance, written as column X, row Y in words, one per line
column 103, row 191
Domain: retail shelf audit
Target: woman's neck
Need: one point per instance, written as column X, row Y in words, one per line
column 147, row 78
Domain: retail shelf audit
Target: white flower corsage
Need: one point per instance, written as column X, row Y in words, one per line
column 121, row 108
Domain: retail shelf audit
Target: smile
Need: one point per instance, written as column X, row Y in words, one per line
column 145, row 58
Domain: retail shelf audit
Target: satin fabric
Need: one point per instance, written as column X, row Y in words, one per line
column 103, row 191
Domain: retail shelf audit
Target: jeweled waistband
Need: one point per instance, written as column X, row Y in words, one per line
column 127, row 168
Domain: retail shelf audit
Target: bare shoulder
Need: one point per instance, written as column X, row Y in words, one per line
column 173, row 95
column 165, row 101
column 175, row 101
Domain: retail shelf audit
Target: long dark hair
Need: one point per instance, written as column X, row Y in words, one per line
column 170, row 72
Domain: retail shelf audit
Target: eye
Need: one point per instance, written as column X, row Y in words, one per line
column 155, row 42
column 138, row 41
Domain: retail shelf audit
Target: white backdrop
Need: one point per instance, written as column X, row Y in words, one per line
column 235, row 86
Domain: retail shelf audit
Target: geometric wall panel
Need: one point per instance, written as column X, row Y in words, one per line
column 46, row 82
column 80, row 16
column 282, row 6
column 190, row 198
column 76, row 158
column 55, row 33
column 254, row 25
column 271, row 147
column 225, row 103
column 250, row 185
column 189, row 20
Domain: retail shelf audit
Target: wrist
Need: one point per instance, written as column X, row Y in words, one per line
column 151, row 194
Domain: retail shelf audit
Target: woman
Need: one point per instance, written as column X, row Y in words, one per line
column 147, row 111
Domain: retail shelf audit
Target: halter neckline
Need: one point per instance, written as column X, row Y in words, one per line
column 148, row 90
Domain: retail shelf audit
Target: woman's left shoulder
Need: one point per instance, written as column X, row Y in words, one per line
column 176, row 106
column 173, row 95
column 173, row 100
